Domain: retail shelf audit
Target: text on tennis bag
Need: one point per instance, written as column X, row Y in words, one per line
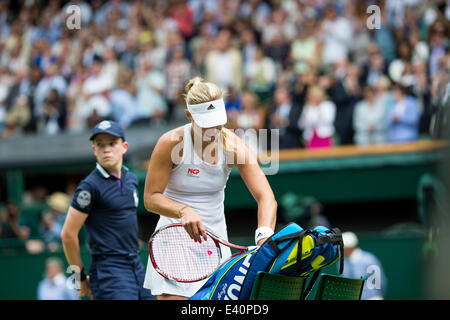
column 238, row 280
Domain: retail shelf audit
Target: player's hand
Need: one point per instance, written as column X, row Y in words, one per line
column 193, row 225
column 85, row 289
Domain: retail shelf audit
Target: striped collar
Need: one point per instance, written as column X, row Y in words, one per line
column 105, row 173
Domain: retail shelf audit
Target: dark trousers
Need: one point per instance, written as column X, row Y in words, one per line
column 118, row 278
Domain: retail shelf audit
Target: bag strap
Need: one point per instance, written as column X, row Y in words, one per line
column 340, row 241
column 290, row 236
column 335, row 237
column 332, row 238
column 311, row 284
column 341, row 258
column 273, row 243
column 298, row 236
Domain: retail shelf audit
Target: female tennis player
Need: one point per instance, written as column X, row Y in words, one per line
column 186, row 178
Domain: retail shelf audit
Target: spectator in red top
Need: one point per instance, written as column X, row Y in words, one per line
column 183, row 16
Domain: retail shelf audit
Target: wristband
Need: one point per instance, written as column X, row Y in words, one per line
column 82, row 275
column 262, row 232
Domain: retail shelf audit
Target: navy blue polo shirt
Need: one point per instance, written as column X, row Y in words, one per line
column 111, row 204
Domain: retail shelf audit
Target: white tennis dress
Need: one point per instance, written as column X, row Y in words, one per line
column 199, row 185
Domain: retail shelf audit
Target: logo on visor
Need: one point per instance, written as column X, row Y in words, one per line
column 211, row 107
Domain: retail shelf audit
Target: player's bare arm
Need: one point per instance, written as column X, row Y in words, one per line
column 160, row 165
column 246, row 162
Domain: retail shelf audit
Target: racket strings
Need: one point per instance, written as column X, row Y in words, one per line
column 180, row 258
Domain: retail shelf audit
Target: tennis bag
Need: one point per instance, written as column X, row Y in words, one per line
column 291, row 251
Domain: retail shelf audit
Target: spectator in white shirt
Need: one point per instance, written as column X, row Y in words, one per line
column 261, row 74
column 317, row 119
column 94, row 90
column 224, row 64
column 151, row 84
column 369, row 119
column 360, row 263
column 54, row 286
column 337, row 36
column 250, row 119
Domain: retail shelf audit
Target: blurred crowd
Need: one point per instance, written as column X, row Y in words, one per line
column 34, row 224
column 34, row 233
column 322, row 72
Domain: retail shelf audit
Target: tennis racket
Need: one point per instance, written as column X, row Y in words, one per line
column 176, row 256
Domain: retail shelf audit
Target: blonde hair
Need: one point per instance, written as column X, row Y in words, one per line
column 383, row 82
column 318, row 92
column 198, row 91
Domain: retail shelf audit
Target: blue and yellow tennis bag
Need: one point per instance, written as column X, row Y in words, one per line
column 319, row 247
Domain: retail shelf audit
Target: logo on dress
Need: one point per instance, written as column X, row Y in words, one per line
column 211, row 107
column 193, row 172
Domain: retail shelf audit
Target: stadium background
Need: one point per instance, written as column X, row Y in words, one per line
column 389, row 195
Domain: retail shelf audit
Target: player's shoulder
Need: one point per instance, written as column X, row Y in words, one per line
column 173, row 135
column 234, row 141
column 230, row 133
column 171, row 138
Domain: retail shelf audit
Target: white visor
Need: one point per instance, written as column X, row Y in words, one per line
column 209, row 114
